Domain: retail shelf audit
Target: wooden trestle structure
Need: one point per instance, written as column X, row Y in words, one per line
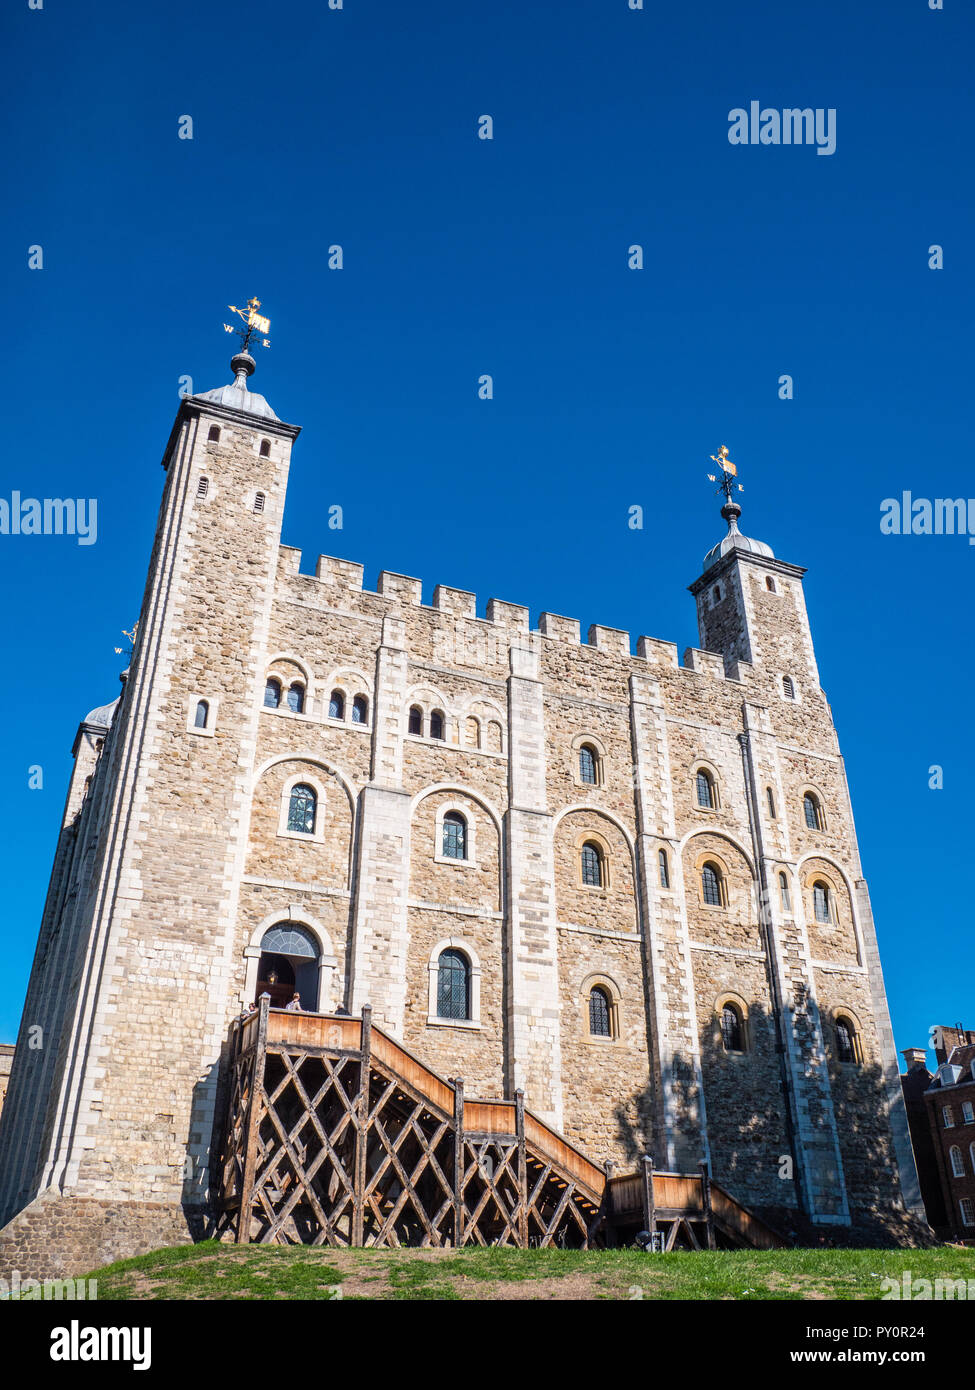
column 337, row 1135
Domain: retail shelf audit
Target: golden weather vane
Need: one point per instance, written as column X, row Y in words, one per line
column 256, row 325
column 131, row 636
column 729, row 470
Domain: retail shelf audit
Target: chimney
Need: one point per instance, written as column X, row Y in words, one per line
column 915, row 1057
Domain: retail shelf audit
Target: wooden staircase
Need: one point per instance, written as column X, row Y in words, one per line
column 336, row 1134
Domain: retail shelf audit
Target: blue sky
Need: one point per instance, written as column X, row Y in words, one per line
column 358, row 127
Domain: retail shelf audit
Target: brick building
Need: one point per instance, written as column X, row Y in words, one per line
column 627, row 885
column 941, row 1116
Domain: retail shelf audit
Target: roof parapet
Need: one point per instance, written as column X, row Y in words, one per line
column 510, row 615
column 344, row 574
column 461, row 602
column 612, row 640
column 705, row 663
column 400, row 587
column 562, row 629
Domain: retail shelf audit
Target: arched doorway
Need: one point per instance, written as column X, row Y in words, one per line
column 289, row 962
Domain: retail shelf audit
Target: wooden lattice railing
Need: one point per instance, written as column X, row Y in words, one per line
column 337, row 1134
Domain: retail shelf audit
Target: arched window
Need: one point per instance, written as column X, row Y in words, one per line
column 732, row 1031
column 770, row 584
column 664, row 868
column 957, row 1162
column 587, row 765
column 494, row 736
column 788, row 688
column 213, row 435
column 784, row 895
column 592, row 865
column 272, row 693
column 265, row 448
column 454, row 836
column 301, row 809
column 812, row 812
column 705, row 789
column 472, row 731
column 771, row 801
column 453, row 985
column 259, row 500
column 416, row 720
column 846, row 1042
column 296, row 697
column 202, row 488
column 711, row 885
column 600, row 1015
column 360, row 710
column 822, row 908
column 437, row 724
column 202, row 714
column 336, row 705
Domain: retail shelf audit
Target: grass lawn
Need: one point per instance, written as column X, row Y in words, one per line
column 211, row 1270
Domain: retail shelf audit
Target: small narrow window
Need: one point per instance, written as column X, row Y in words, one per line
column 771, row 802
column 416, row 720
column 202, row 488
column 265, row 448
column 711, row 885
column 788, row 688
column 664, row 868
column 336, row 705
column 301, row 809
column 202, row 715
column 259, row 502
column 846, row 1041
column 454, row 843
column 784, row 895
column 296, row 697
column 822, row 908
column 360, row 710
column 272, row 693
column 453, row 986
column 716, row 596
column 587, row 765
column 948, row 1117
column 600, row 1024
column 436, row 724
column 213, row 436
column 957, row 1162
column 472, row 731
column 770, row 584
column 731, row 1028
column 812, row 811
column 592, row 866
column 705, row 789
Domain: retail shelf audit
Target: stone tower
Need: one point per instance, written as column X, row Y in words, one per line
column 133, row 971
column 657, row 906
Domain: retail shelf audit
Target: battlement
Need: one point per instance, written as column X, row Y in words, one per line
column 343, row 581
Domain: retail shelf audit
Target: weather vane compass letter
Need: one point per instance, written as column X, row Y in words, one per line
column 256, row 326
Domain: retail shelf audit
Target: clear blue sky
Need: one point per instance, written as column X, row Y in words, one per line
column 462, row 256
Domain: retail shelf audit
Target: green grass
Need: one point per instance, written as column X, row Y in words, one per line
column 213, row 1271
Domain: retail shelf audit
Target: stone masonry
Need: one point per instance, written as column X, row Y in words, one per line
column 176, row 858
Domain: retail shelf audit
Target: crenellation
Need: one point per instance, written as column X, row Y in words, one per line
column 561, row 629
column 508, row 615
column 400, row 587
column 611, row 640
column 341, row 574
